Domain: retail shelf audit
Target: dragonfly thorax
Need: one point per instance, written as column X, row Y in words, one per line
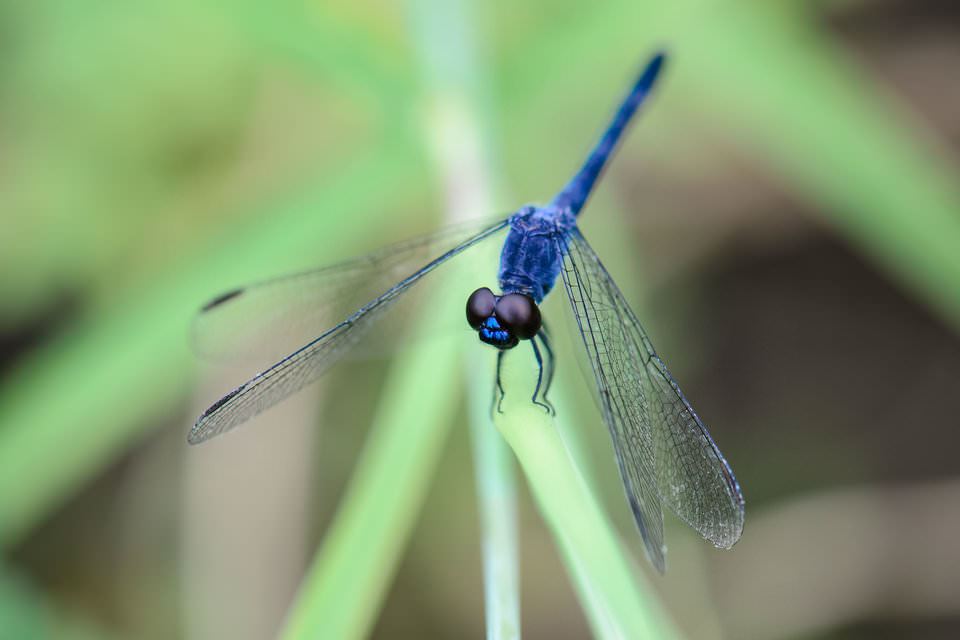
column 531, row 257
column 502, row 321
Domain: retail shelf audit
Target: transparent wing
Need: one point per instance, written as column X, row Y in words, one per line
column 618, row 375
column 661, row 445
column 270, row 319
column 310, row 361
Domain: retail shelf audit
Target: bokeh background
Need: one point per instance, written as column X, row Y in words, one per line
column 785, row 215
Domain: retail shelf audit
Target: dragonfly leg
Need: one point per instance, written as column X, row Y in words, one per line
column 544, row 336
column 536, row 392
column 497, row 400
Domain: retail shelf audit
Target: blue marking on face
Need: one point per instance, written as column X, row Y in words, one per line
column 493, row 334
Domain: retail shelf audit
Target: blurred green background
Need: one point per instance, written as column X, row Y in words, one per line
column 785, row 215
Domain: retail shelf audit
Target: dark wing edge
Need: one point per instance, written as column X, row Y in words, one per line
column 618, row 377
column 694, row 479
column 309, row 362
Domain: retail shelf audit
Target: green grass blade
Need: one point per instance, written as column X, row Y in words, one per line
column 496, row 494
column 347, row 581
column 457, row 95
column 618, row 604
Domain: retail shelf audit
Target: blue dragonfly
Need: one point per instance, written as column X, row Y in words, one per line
column 664, row 453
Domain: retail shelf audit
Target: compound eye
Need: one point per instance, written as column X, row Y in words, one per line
column 480, row 306
column 519, row 314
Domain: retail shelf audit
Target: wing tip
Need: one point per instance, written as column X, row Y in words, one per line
column 656, row 549
column 658, row 558
column 725, row 535
column 203, row 429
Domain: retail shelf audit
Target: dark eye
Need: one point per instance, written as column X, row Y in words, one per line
column 519, row 314
column 480, row 306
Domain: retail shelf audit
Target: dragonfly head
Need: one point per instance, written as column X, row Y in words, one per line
column 503, row 321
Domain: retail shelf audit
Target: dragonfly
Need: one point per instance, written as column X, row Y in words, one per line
column 664, row 453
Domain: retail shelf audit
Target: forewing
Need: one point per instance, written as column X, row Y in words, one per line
column 273, row 318
column 619, row 377
column 310, row 361
column 693, row 478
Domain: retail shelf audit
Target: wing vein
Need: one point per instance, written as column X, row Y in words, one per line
column 311, row 360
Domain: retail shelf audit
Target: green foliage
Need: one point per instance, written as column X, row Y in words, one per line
column 154, row 156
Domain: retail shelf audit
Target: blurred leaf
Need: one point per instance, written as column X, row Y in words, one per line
column 26, row 614
column 23, row 612
column 796, row 99
column 109, row 125
column 85, row 396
